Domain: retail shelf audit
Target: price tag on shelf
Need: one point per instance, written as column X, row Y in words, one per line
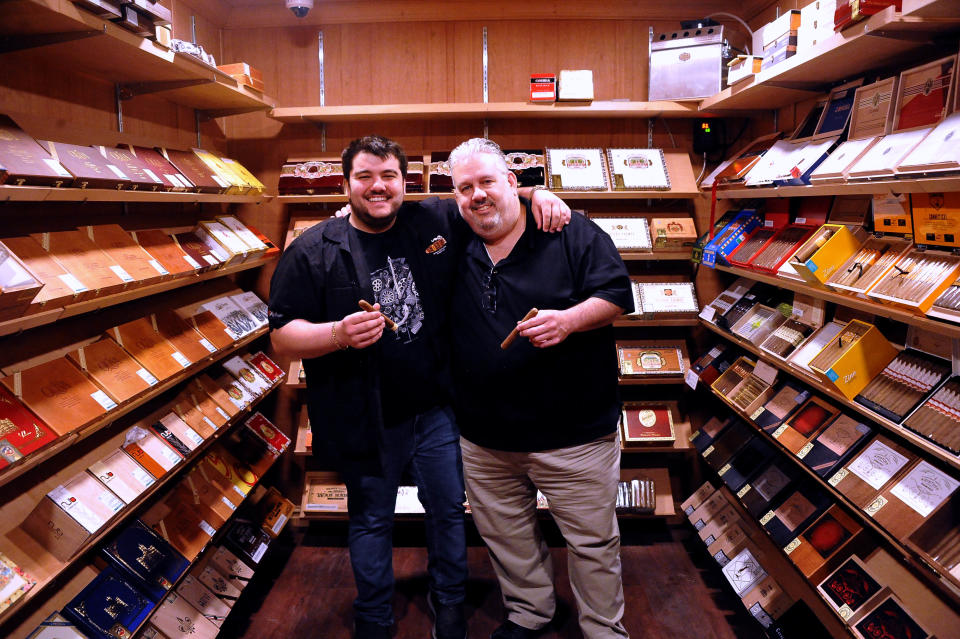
column 691, row 379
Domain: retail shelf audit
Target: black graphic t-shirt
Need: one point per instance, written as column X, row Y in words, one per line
column 408, row 383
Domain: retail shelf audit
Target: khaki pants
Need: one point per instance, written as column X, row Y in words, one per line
column 580, row 484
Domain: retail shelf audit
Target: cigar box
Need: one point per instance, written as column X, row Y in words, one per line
column 769, row 484
column 825, row 543
column 314, row 177
column 543, row 87
column 672, row 233
column 141, row 177
column 735, row 171
column 18, row 284
column 663, row 299
column 49, row 525
column 794, row 510
column 728, row 543
column 917, row 279
column 835, row 444
column 181, row 430
column 159, row 166
column 122, row 249
column 767, row 601
column 254, row 306
column 758, row 323
column 904, row 505
column 271, row 249
column 759, row 293
column 147, row 560
column 720, row 522
column 251, row 379
column 254, row 186
column 206, row 256
column 645, row 423
column 936, row 538
column 828, row 248
column 785, row 401
column 238, row 321
column 164, row 249
column 696, row 255
column 744, row 571
column 800, row 358
column 936, row 419
column 21, row 432
column 638, row 169
column 87, row 166
column 875, row 257
column 122, row 475
column 218, row 584
column 237, row 392
column 150, row 451
column 248, row 540
column 59, row 394
column 206, row 603
column 205, row 499
column 706, row 511
column 182, row 336
column 24, row 162
column 241, row 476
column 231, row 567
column 804, row 425
column 212, row 329
column 135, row 21
column 222, row 242
column 575, row 85
column 936, row 219
column 192, row 416
column 576, row 170
column 255, row 247
column 266, row 366
column 700, row 495
column 937, row 153
column 225, row 177
column 892, row 215
column 98, row 606
column 87, row 501
column 803, row 321
column 775, row 218
column 112, row 369
column 196, row 399
column 212, row 488
column 710, row 366
column 199, row 174
column 863, row 478
column 742, row 67
column 925, row 94
column 730, row 237
column 745, row 387
column 242, row 69
column 857, row 355
column 277, row 510
column 277, row 441
column 175, row 617
column 79, row 256
column 727, row 444
column 147, row 346
column 203, row 384
column 851, row 588
column 182, row 526
column 881, row 160
column 836, row 166
column 527, row 164
column 746, row 462
column 414, row 181
column 703, row 439
column 627, row 233
column 641, row 359
column 906, row 381
column 889, row 618
column 323, row 492
column 725, row 300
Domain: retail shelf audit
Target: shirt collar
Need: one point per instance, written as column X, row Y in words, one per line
column 477, row 251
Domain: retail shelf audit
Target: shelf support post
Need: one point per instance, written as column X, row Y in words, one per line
column 119, row 100
column 323, row 89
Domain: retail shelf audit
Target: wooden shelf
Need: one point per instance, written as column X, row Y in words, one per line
column 866, row 45
column 43, row 566
column 924, row 444
column 47, row 194
column 679, row 256
column 491, row 110
column 875, row 308
column 50, row 316
column 632, row 321
column 44, row 28
column 896, row 186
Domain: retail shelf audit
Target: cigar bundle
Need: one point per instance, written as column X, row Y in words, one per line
column 751, row 246
column 786, row 338
column 776, row 251
column 838, row 345
column 915, row 276
column 637, row 496
column 868, row 264
column 938, row 419
column 903, row 384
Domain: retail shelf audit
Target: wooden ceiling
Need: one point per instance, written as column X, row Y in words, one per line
column 249, row 14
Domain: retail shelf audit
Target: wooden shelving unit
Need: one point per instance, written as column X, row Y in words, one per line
column 9, row 193
column 632, row 321
column 75, row 39
column 675, row 256
column 52, row 315
column 865, row 305
column 864, row 46
column 46, row 568
column 897, row 186
column 482, row 110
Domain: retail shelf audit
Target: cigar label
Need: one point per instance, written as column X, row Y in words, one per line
column 368, row 307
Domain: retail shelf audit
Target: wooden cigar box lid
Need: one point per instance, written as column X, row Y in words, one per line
column 201, row 598
column 227, row 465
column 147, row 346
column 25, row 161
column 81, row 257
column 219, row 483
column 88, row 167
column 237, row 392
column 199, row 174
column 122, row 475
column 248, row 376
column 194, row 346
column 203, row 383
column 728, row 542
column 824, row 543
column 805, row 424
column 199, row 398
column 267, row 367
column 23, row 432
column 204, row 497
column 193, row 417
column 173, row 180
column 163, row 248
column 60, row 287
column 907, row 503
column 141, row 177
column 150, row 451
column 54, row 530
column 198, row 251
column 185, row 529
column 181, row 430
column 59, row 394
column 238, row 321
column 112, row 368
column 698, row 497
column 18, row 284
column 95, row 499
column 703, row 513
column 176, row 617
column 226, row 178
column 863, row 478
column 122, row 249
column 212, row 328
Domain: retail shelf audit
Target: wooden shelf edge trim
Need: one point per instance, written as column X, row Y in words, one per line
column 897, row 186
column 12, row 193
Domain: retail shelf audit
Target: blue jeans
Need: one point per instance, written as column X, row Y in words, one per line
column 429, row 446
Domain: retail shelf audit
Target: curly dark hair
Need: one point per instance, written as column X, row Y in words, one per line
column 375, row 145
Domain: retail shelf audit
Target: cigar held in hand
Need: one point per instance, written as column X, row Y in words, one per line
column 368, row 307
column 516, row 331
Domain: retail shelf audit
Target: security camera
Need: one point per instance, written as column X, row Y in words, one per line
column 299, row 7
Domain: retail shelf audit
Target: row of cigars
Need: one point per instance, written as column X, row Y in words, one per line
column 25, row 161
column 913, row 386
column 907, row 259
column 901, row 126
column 44, row 271
column 907, row 496
column 43, row 402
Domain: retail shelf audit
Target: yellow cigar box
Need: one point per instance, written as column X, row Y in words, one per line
column 221, row 174
column 853, row 358
column 936, row 219
column 829, row 247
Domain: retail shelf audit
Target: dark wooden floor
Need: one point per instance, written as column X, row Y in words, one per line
column 305, row 590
